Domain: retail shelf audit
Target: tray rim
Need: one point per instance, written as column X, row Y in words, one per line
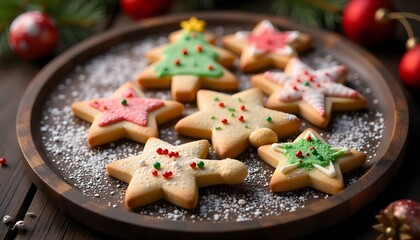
column 69, row 198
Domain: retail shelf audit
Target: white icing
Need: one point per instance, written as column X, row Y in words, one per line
column 278, row 147
column 242, row 35
column 287, row 168
column 309, row 133
column 330, row 171
column 340, row 151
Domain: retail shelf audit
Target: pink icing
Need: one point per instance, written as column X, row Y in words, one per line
column 311, row 85
column 135, row 110
column 269, row 41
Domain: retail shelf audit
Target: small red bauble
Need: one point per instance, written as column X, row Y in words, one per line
column 409, row 68
column 139, row 9
column 400, row 220
column 2, row 161
column 33, row 35
column 359, row 23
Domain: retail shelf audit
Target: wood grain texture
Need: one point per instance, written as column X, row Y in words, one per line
column 313, row 217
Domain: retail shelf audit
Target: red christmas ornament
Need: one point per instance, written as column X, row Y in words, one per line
column 409, row 68
column 359, row 23
column 139, row 9
column 33, row 35
column 400, row 220
column 2, row 161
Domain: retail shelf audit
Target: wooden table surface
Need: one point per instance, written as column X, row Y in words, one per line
column 18, row 195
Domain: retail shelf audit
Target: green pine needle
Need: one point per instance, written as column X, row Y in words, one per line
column 319, row 13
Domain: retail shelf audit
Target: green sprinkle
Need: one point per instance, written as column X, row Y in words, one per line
column 156, row 165
column 306, row 84
column 314, row 152
column 213, row 117
column 216, row 99
column 320, row 158
column 233, row 115
column 269, row 119
column 246, row 126
column 218, row 128
column 240, row 100
column 200, row 164
column 124, row 102
column 231, row 109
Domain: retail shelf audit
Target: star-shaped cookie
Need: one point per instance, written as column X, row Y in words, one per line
column 188, row 64
column 309, row 162
column 313, row 94
column 266, row 46
column 173, row 173
column 125, row 114
column 232, row 122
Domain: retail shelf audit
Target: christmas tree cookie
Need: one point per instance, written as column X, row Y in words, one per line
column 126, row 114
column 233, row 122
column 313, row 94
column 188, row 64
column 173, row 173
column 266, row 46
column 309, row 162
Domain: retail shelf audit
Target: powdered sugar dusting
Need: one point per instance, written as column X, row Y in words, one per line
column 65, row 145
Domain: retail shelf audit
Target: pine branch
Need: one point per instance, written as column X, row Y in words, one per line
column 317, row 13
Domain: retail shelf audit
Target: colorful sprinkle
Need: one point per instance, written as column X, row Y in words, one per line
column 309, row 139
column 233, row 115
column 156, row 165
column 218, row 128
column 2, row 161
column 246, row 126
column 200, row 164
column 320, row 158
column 159, row 151
column 224, row 121
column 184, row 51
column 241, row 118
column 240, row 100
column 243, row 108
column 221, row 104
column 173, row 154
column 231, row 109
column 269, row 119
column 155, row 173
column 212, row 117
column 314, row 152
column 177, row 62
column 124, row 102
column 165, row 151
column 199, row 48
column 193, row 165
column 306, row 84
column 299, row 154
column 210, row 67
column 216, row 99
column 167, row 174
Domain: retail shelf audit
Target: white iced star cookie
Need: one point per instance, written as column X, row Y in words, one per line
column 173, row 173
column 309, row 162
column 233, row 122
column 266, row 46
column 125, row 114
column 313, row 94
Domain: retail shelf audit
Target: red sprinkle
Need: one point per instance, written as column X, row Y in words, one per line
column 241, row 118
column 129, row 95
column 193, row 35
column 176, row 154
column 307, row 154
column 309, row 139
column 184, row 51
column 305, row 72
column 165, row 151
column 159, row 151
column 155, row 173
column 221, row 104
column 295, row 88
column 299, row 154
column 326, row 74
column 2, row 161
column 177, row 61
column 243, row 108
column 224, row 121
column 193, row 165
column 210, row 67
column 173, row 154
column 167, row 174
column 311, row 148
column 199, row 48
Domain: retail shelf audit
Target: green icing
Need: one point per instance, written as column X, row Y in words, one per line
column 321, row 153
column 194, row 62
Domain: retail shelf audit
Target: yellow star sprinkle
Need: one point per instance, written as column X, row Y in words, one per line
column 193, row 25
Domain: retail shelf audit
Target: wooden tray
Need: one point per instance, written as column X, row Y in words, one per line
column 385, row 96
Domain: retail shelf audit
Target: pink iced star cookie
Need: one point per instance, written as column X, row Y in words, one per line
column 309, row 161
column 314, row 94
column 233, row 122
column 126, row 114
column 173, row 173
column 266, row 46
